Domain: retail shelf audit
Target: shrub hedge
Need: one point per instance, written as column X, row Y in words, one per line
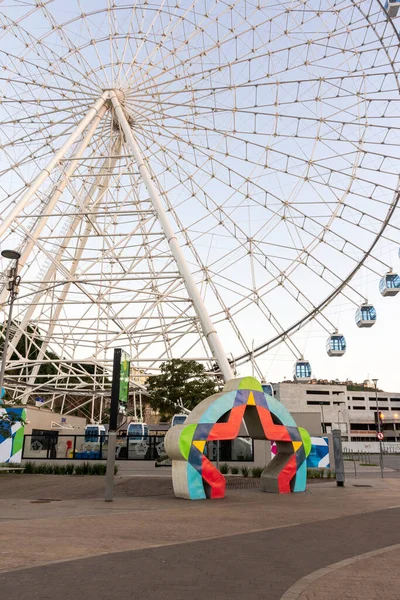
column 84, row 468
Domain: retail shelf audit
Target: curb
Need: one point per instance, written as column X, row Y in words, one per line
column 295, row 591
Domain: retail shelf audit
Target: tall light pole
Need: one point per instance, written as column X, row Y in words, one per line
column 378, row 420
column 323, row 419
column 338, row 420
column 12, row 287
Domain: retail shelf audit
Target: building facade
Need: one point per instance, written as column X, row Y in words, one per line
column 351, row 411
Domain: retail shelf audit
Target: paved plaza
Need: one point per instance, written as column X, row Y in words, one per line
column 59, row 539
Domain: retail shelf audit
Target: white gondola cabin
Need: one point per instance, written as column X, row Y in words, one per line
column 365, row 315
column 137, row 432
column 336, row 345
column 93, row 432
column 392, row 8
column 267, row 388
column 178, row 420
column 302, row 371
column 389, row 285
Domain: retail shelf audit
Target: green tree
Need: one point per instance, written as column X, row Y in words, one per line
column 183, row 381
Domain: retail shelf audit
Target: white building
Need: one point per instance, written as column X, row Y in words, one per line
column 353, row 412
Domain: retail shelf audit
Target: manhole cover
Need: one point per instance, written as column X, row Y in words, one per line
column 361, row 485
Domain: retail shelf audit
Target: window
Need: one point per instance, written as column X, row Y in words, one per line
column 46, row 438
column 358, row 398
column 240, row 449
column 337, row 394
column 388, row 426
column 318, row 392
column 358, row 407
column 358, row 427
column 317, row 403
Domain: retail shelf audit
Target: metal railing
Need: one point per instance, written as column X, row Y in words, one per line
column 150, row 447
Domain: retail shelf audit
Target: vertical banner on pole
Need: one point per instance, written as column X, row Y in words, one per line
column 115, row 389
column 124, row 371
column 119, row 394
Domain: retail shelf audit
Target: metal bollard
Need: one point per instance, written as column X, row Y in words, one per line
column 338, row 457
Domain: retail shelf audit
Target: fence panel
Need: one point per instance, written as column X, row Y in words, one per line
column 145, row 447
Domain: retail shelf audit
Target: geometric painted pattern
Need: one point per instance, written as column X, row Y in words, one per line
column 11, row 444
column 319, row 453
column 220, row 417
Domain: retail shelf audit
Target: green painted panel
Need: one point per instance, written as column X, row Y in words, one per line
column 185, row 440
column 305, row 436
column 250, row 383
column 18, row 440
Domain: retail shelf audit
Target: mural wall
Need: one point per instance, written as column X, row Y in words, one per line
column 11, row 434
column 220, row 417
column 319, row 453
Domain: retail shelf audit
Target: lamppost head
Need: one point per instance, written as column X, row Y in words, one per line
column 11, row 254
column 375, row 381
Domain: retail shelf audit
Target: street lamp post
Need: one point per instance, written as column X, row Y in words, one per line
column 12, row 287
column 323, row 419
column 378, row 426
column 338, row 420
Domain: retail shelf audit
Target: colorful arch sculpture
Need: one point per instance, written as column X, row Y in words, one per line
column 219, row 417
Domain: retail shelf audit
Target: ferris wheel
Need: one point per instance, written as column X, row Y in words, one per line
column 193, row 179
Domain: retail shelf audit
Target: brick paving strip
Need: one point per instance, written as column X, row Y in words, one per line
column 368, row 576
column 255, row 566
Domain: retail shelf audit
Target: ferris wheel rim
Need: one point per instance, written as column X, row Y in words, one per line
column 304, row 252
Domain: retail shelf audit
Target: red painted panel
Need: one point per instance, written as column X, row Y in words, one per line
column 286, row 475
column 274, row 433
column 229, row 430
column 214, row 478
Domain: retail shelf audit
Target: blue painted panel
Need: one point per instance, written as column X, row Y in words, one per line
column 218, row 408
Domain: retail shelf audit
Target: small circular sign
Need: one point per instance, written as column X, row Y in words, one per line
column 379, row 436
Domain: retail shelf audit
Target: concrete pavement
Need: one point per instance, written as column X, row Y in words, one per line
column 253, row 545
column 370, row 576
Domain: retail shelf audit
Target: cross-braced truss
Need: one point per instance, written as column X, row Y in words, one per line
column 177, row 174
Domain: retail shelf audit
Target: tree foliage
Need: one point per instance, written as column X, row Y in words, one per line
column 183, row 381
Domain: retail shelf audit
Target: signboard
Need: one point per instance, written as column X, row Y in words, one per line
column 380, row 436
column 119, row 386
column 125, row 368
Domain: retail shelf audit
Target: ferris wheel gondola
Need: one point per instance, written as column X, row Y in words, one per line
column 267, row 388
column 302, row 371
column 365, row 315
column 392, row 8
column 336, row 345
column 389, row 285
